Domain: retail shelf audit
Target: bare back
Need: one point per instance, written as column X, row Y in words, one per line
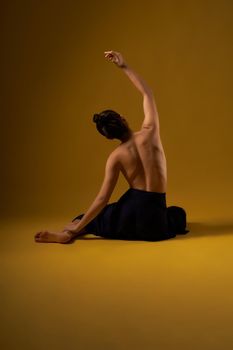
column 143, row 161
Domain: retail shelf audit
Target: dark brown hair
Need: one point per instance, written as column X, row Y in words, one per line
column 111, row 124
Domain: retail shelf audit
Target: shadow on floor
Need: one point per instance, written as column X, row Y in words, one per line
column 197, row 229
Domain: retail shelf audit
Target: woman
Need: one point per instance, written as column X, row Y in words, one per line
column 141, row 212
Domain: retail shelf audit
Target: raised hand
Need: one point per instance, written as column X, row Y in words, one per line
column 115, row 57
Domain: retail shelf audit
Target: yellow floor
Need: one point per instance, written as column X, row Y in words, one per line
column 107, row 294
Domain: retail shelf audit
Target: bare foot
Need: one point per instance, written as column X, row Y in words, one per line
column 53, row 237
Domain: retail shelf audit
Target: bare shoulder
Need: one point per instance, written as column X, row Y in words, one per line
column 118, row 154
column 114, row 156
column 149, row 131
column 149, row 135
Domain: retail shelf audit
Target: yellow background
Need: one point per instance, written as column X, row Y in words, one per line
column 55, row 77
column 96, row 293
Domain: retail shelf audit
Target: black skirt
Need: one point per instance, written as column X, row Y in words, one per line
column 137, row 215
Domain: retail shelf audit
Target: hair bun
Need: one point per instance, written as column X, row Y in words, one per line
column 96, row 118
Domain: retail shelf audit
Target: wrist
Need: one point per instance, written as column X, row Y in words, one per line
column 70, row 233
column 123, row 65
column 78, row 229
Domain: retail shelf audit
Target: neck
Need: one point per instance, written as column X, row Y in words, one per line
column 127, row 136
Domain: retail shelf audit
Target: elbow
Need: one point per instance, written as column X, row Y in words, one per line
column 147, row 91
column 102, row 201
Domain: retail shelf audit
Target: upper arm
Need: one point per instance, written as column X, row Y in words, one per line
column 151, row 117
column 112, row 170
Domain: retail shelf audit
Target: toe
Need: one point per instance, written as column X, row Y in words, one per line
column 41, row 236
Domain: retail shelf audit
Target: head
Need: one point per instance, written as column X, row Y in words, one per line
column 112, row 125
column 176, row 220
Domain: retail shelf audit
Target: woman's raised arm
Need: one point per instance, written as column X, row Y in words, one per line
column 151, row 117
column 117, row 58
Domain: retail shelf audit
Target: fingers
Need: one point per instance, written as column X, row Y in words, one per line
column 109, row 57
column 112, row 55
column 109, row 54
column 112, row 52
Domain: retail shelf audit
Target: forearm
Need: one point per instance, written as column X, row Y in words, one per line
column 90, row 214
column 138, row 81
